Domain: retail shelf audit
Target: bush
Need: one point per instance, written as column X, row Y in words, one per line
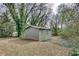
column 6, row 29
column 75, row 52
column 67, row 33
column 71, row 34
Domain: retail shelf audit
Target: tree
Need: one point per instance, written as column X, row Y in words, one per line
column 6, row 27
column 70, row 15
column 20, row 19
column 25, row 15
column 55, row 24
column 66, row 14
column 40, row 14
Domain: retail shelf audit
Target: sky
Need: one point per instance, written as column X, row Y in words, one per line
column 55, row 7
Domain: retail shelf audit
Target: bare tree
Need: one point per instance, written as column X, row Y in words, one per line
column 36, row 14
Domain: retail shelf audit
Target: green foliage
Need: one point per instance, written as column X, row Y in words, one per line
column 21, row 18
column 54, row 25
column 67, row 32
column 75, row 52
column 70, row 17
column 54, row 30
column 67, row 14
column 12, row 10
column 6, row 29
column 72, row 36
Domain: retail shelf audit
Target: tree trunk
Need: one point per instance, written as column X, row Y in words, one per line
column 18, row 29
column 61, row 24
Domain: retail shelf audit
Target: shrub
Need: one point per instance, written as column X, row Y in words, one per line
column 75, row 52
column 6, row 29
column 67, row 33
column 72, row 36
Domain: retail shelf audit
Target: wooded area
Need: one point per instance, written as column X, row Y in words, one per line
column 15, row 18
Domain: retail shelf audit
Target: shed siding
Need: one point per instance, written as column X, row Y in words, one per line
column 31, row 33
column 44, row 35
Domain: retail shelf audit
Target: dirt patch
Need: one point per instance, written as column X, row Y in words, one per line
column 15, row 47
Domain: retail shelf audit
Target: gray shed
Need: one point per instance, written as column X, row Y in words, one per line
column 36, row 33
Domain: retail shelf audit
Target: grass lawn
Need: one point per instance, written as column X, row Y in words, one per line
column 19, row 47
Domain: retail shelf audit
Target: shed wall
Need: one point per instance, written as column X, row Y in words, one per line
column 31, row 33
column 44, row 35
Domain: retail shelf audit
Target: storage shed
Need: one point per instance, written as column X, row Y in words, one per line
column 36, row 33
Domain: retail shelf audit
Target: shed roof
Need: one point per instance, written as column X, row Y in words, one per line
column 41, row 28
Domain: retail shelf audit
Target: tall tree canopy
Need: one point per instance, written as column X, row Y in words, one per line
column 35, row 14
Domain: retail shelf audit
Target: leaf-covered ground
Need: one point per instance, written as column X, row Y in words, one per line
column 15, row 47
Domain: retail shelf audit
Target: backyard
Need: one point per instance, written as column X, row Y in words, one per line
column 39, row 29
